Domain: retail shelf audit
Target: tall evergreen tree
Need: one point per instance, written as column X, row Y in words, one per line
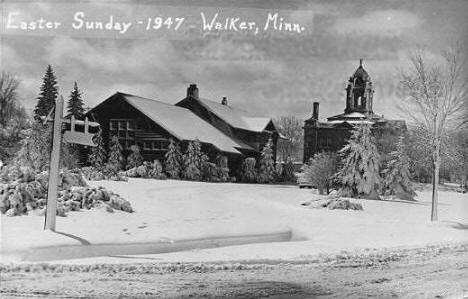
column 116, row 158
column 173, row 158
column 359, row 174
column 97, row 156
column 192, row 161
column 267, row 166
column 75, row 103
column 397, row 174
column 48, row 94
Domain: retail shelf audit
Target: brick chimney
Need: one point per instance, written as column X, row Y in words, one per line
column 192, row 91
column 315, row 112
column 224, row 101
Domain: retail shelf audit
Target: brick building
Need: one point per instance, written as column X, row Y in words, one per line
column 333, row 134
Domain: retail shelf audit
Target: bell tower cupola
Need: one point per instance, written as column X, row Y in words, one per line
column 359, row 92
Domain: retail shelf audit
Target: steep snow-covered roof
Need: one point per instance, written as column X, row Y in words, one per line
column 183, row 123
column 236, row 117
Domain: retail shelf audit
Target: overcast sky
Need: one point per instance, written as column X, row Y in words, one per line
column 271, row 75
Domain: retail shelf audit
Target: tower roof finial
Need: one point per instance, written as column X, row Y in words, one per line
column 360, row 62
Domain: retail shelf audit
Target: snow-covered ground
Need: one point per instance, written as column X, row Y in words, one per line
column 174, row 210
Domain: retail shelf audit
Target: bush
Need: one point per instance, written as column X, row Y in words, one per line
column 36, row 148
column 249, row 173
column 104, row 173
column 288, row 171
column 135, row 159
column 222, row 168
column 320, row 171
column 278, row 172
column 334, row 204
column 146, row 170
column 28, row 193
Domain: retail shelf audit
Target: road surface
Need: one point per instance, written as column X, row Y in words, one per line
column 431, row 272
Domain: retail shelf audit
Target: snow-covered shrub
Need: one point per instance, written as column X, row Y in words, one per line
column 146, row 170
column 343, row 204
column 156, row 170
column 320, row 171
column 334, row 204
column 36, row 148
column 135, row 158
column 19, row 198
column 288, row 171
column 249, row 173
column 222, row 168
column 105, row 173
column 278, row 172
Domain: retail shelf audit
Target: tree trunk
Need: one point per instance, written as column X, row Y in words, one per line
column 435, row 187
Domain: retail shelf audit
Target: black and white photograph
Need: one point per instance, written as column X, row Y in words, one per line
column 234, row 149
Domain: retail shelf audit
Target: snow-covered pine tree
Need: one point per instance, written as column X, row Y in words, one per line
column 267, row 166
column 173, row 158
column 135, row 158
column 192, row 161
column 97, row 156
column 397, row 174
column 48, row 94
column 116, row 159
column 359, row 174
column 75, row 103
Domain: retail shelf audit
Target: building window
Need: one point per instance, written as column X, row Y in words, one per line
column 147, row 146
column 124, row 129
column 325, row 142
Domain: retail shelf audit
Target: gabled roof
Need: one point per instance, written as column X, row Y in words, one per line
column 183, row 123
column 235, row 117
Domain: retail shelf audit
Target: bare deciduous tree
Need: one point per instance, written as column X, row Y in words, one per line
column 8, row 97
column 291, row 129
column 435, row 99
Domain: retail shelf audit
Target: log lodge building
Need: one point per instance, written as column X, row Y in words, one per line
column 333, row 134
column 220, row 127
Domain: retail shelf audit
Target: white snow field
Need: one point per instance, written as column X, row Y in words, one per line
column 179, row 215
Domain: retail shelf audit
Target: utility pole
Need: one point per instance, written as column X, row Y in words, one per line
column 70, row 136
column 51, row 207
